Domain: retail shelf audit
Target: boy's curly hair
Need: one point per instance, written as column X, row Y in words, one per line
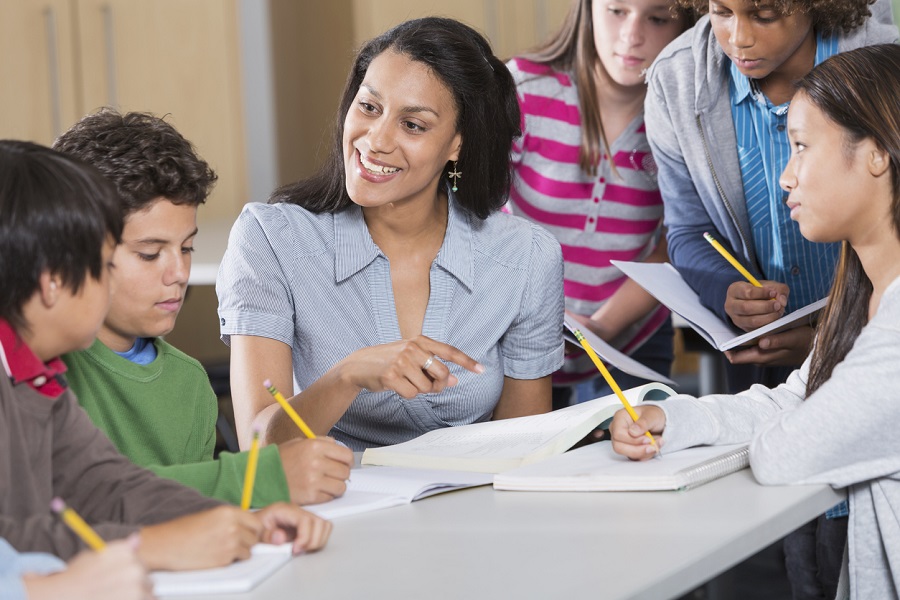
column 143, row 155
column 827, row 15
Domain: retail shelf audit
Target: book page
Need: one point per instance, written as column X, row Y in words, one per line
column 621, row 361
column 598, row 468
column 664, row 282
column 374, row 488
column 495, row 445
column 237, row 577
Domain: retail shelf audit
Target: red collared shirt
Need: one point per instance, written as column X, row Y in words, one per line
column 22, row 366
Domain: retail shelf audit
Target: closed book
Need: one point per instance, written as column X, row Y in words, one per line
column 596, row 468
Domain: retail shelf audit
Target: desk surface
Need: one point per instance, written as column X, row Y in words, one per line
column 479, row 543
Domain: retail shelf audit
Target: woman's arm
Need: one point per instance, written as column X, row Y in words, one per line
column 628, row 304
column 396, row 366
column 521, row 397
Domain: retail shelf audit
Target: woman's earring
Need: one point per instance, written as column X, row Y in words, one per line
column 456, row 174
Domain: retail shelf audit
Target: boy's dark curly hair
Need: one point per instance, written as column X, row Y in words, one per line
column 827, row 15
column 145, row 157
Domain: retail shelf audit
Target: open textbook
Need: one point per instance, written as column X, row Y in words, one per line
column 665, row 284
column 241, row 576
column 596, row 468
column 620, row 360
column 495, row 446
column 373, row 488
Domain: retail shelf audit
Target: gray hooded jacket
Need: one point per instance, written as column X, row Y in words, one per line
column 692, row 136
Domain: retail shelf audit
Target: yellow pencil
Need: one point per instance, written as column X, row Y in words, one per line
column 732, row 260
column 608, row 377
column 250, row 473
column 289, row 410
column 77, row 524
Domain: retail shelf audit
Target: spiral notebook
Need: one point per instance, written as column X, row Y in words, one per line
column 596, row 468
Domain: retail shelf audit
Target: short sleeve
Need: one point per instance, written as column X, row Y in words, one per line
column 533, row 345
column 255, row 296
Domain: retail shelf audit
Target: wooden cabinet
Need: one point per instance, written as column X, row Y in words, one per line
column 512, row 26
column 179, row 58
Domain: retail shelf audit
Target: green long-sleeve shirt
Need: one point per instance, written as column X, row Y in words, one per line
column 163, row 417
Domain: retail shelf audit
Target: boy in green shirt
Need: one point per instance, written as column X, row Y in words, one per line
column 153, row 401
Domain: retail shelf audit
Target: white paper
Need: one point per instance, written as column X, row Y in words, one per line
column 374, row 488
column 237, row 577
column 598, row 468
column 620, row 360
column 665, row 284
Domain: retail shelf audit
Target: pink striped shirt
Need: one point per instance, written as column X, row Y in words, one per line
column 596, row 219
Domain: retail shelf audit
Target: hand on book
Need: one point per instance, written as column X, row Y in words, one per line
column 751, row 307
column 408, row 367
column 786, row 348
column 219, row 536
column 285, row 522
column 316, row 470
column 628, row 436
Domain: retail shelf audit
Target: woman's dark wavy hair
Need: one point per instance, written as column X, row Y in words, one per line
column 858, row 91
column 487, row 109
column 55, row 215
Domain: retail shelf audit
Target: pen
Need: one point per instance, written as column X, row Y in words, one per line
column 289, row 410
column 732, row 260
column 250, row 473
column 77, row 524
column 608, row 377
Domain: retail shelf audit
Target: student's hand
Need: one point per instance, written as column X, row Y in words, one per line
column 787, row 348
column 399, row 366
column 285, row 522
column 751, row 307
column 628, row 437
column 212, row 538
column 316, row 470
column 116, row 573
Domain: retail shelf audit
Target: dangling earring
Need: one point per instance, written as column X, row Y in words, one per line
column 456, row 174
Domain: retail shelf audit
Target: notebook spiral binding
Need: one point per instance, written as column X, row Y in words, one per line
column 715, row 468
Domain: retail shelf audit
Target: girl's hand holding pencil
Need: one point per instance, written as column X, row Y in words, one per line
column 629, row 436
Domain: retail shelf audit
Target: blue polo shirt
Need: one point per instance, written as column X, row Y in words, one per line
column 763, row 151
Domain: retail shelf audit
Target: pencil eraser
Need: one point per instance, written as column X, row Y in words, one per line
column 57, row 505
column 267, row 383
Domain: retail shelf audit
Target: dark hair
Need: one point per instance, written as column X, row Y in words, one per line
column 56, row 213
column 572, row 50
column 487, row 109
column 145, row 157
column 827, row 15
column 858, row 91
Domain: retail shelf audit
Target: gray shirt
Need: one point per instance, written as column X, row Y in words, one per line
column 845, row 435
column 318, row 283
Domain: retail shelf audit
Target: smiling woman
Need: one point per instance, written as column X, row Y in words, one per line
column 398, row 304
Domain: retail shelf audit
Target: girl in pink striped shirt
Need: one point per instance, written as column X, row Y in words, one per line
column 583, row 170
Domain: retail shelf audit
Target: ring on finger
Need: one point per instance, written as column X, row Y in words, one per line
column 428, row 363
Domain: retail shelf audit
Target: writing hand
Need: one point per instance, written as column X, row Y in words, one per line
column 628, row 437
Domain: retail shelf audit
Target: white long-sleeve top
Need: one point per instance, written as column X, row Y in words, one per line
column 845, row 435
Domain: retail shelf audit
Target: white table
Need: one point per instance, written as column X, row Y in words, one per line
column 478, row 543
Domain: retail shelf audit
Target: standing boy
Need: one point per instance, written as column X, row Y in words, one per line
column 153, row 401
